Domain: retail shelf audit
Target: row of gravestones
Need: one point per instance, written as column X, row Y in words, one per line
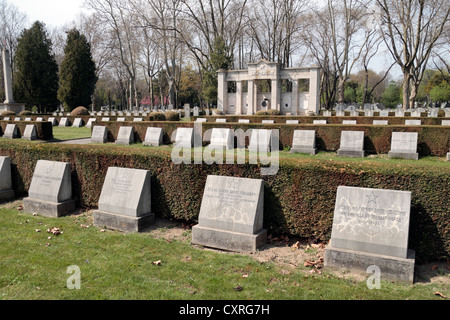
column 375, row 122
column 370, row 226
column 12, row 132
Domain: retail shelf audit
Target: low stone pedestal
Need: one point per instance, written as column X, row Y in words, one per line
column 121, row 222
column 48, row 208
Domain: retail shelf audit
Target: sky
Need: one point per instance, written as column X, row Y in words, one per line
column 52, row 12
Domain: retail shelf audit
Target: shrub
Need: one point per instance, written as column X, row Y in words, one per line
column 79, row 111
column 157, row 116
column 8, row 113
column 25, row 113
column 172, row 116
column 261, row 113
column 273, row 112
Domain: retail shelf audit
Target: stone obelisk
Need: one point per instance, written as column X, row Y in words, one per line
column 9, row 103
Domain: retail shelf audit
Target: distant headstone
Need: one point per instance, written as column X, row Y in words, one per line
column 187, row 111
column 415, row 113
column 90, row 122
column 231, row 214
column 240, row 120
column 327, row 113
column 340, row 113
column 371, row 227
column 99, row 134
column 17, row 119
column 39, row 119
column 106, row 119
column 221, row 120
column 352, row 144
column 28, row 119
column 384, row 113
column 380, row 122
column 50, row 191
column 201, row 120
column 63, row 122
column 52, row 120
column 404, row 145
column 153, row 137
column 304, row 141
column 399, row 113
column 6, row 118
column 11, row 131
column 30, row 133
column 125, row 200
column 260, row 140
column 320, row 121
column 195, row 111
column 6, row 190
column 433, row 113
column 413, row 122
column 349, row 122
column 78, row 122
column 121, row 119
column 137, row 119
column 368, row 113
column 291, row 121
column 267, row 121
column 125, row 136
column 445, row 122
column 222, row 138
column 184, row 137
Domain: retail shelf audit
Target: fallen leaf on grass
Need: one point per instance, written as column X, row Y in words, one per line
column 19, row 208
column 37, row 230
column 157, row 263
column 296, row 245
column 437, row 293
column 55, row 231
column 245, row 275
column 238, row 288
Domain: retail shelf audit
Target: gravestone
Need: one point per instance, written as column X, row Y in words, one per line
column 327, row 113
column 352, row 144
column 78, row 122
column 52, row 120
column 291, row 121
column 368, row 113
column 445, row 122
column 221, row 120
column 30, row 133
column 137, row 119
column 6, row 118
column 222, row 138
column 63, row 122
column 39, row 119
column 304, row 141
column 17, row 119
column 371, row 227
column 99, row 134
column 448, row 156
column 240, row 120
column 106, row 119
column 196, row 112
column 6, row 190
column 125, row 200
column 399, row 113
column 28, row 119
column 349, row 122
column 413, row 122
column 121, row 119
column 50, row 192
column 231, row 214
column 125, row 136
column 319, row 121
column 404, row 145
column 260, row 140
column 153, row 137
column 340, row 113
column 384, row 113
column 90, row 122
column 433, row 113
column 187, row 111
column 416, row 113
column 184, row 137
column 267, row 121
column 380, row 122
column 11, row 131
column 201, row 120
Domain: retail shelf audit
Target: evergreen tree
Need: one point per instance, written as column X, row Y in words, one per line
column 219, row 58
column 36, row 70
column 78, row 72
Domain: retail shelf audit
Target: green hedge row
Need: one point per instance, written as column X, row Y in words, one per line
column 433, row 140
column 44, row 130
column 299, row 200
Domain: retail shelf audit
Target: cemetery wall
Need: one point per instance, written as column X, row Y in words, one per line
column 299, row 200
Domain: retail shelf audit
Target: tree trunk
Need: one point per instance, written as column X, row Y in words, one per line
column 406, row 83
column 341, row 90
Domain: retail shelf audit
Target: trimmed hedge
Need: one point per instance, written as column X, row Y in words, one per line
column 299, row 200
column 44, row 130
column 433, row 140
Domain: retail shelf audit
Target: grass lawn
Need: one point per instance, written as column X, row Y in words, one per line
column 113, row 265
column 70, row 133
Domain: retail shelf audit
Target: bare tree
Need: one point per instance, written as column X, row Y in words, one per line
column 411, row 29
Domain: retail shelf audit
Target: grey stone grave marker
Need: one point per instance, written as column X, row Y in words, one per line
column 184, row 137
column 125, row 136
column 11, row 131
column 153, row 137
column 349, row 122
column 320, row 121
column 291, row 121
column 221, row 120
column 50, row 192
column 125, row 200
column 413, row 122
column 99, row 134
column 404, row 145
column 222, row 138
column 260, row 140
column 304, row 141
column 380, row 122
column 52, row 120
column 352, row 144
column 6, row 190
column 78, row 122
column 241, row 120
column 445, row 122
column 63, row 122
column 30, row 133
column 371, row 227
column 231, row 214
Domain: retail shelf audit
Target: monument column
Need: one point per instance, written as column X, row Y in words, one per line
column 251, row 97
column 238, row 97
column 275, row 95
column 8, row 77
column 294, row 100
column 222, row 91
column 314, row 90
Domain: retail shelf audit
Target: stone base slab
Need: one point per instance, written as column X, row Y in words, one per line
column 121, row 222
column 6, row 195
column 47, row 208
column 304, row 150
column 391, row 268
column 227, row 240
column 448, row 156
column 351, row 153
column 403, row 155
